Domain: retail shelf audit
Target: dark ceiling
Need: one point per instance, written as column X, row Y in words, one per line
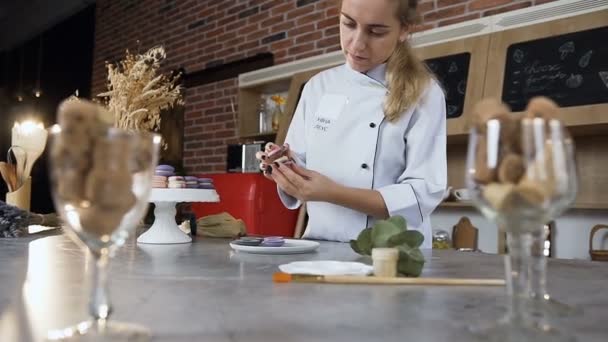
column 20, row 20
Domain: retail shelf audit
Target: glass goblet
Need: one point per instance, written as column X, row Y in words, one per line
column 100, row 189
column 521, row 174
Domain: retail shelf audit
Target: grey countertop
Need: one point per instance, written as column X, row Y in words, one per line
column 204, row 291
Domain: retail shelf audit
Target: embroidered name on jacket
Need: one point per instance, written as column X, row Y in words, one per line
column 322, row 124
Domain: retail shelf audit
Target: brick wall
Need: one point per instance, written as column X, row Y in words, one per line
column 203, row 33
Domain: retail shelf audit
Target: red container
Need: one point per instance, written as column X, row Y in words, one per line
column 253, row 199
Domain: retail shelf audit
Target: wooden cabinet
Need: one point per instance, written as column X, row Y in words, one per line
column 248, row 112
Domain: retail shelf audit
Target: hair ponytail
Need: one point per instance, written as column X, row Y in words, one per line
column 407, row 76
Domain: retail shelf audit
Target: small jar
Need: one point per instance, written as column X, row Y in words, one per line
column 385, row 261
column 441, row 239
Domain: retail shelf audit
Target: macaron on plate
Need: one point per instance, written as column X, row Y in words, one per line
column 273, row 245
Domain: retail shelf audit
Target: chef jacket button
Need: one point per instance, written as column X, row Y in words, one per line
column 372, row 125
column 364, row 166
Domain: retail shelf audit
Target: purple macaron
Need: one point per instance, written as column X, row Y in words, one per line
column 273, row 241
column 164, row 173
column 164, row 167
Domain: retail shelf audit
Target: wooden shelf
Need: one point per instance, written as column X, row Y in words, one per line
column 584, row 206
column 455, row 204
column 259, row 136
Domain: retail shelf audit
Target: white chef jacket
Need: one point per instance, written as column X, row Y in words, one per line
column 339, row 130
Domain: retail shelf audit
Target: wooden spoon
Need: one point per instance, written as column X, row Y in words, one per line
column 20, row 158
column 9, row 176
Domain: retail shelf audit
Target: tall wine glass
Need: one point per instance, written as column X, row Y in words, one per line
column 100, row 188
column 521, row 174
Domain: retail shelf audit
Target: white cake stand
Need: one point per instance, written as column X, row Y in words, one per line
column 164, row 230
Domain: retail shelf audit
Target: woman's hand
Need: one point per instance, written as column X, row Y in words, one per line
column 273, row 153
column 303, row 184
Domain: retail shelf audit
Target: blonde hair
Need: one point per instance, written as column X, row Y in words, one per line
column 407, row 76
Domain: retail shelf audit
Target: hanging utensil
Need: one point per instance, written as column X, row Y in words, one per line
column 9, row 175
column 19, row 163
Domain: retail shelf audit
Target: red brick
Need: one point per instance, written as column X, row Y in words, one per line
column 214, row 159
column 321, row 5
column 248, row 29
column 327, row 23
column 307, row 54
column 215, row 32
column 331, row 41
column 477, row 5
column 235, row 41
column 249, row 45
column 232, row 82
column 457, row 19
column 298, row 12
column 282, row 44
column 226, row 36
column 426, row 7
column 257, row 35
column 224, row 133
column 313, row 36
column 272, row 21
column 283, row 26
column 283, row 8
column 301, row 48
column 507, row 8
column 446, row 3
column 227, row 20
column 258, row 17
column 445, row 13
column 332, row 31
column 279, row 56
column 300, row 30
column 270, row 4
column 332, row 12
column 310, row 18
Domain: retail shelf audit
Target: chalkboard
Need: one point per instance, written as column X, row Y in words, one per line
column 572, row 69
column 452, row 72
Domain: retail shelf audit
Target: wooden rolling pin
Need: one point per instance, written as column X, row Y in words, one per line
column 280, row 277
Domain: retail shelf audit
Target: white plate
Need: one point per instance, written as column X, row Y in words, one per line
column 327, row 267
column 291, row 246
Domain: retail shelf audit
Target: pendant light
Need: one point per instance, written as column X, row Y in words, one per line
column 19, row 94
column 37, row 89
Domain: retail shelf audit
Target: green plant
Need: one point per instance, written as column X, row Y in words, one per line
column 393, row 233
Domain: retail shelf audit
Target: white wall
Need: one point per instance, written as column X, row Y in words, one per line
column 571, row 230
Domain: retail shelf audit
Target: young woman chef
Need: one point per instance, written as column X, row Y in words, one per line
column 368, row 137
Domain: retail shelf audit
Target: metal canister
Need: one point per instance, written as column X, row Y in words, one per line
column 441, row 239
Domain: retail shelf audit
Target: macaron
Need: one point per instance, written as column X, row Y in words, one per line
column 159, row 182
column 205, row 180
column 206, row 186
column 176, row 179
column 164, row 167
column 273, row 241
column 164, row 173
column 249, row 241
